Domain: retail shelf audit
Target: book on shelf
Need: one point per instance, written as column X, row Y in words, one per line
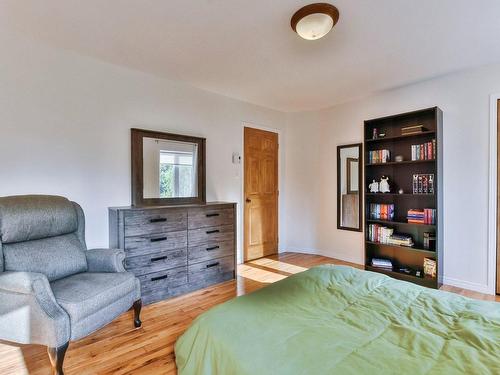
column 422, row 216
column 379, row 156
column 429, row 241
column 383, row 235
column 424, row 151
column 381, row 263
column 415, row 129
column 381, row 211
column 423, row 183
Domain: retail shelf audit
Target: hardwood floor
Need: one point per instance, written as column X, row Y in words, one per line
column 120, row 349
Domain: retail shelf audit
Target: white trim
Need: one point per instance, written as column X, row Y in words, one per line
column 481, row 288
column 492, row 196
column 247, row 124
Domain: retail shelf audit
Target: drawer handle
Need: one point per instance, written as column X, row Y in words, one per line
column 158, row 220
column 211, row 215
column 158, row 239
column 213, row 248
column 159, row 278
column 159, row 258
column 213, row 231
column 212, row 265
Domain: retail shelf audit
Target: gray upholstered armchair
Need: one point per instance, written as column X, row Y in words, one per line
column 52, row 289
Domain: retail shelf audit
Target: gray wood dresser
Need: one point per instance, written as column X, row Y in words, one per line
column 176, row 249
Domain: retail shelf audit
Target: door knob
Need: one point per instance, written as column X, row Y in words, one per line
column 248, row 200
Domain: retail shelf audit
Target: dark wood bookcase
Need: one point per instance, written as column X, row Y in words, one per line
column 401, row 177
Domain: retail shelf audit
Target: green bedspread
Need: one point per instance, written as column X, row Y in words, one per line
column 340, row 320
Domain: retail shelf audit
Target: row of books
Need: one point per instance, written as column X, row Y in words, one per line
column 379, row 156
column 382, row 263
column 415, row 129
column 378, row 233
column 425, row 151
column 423, row 183
column 422, row 216
column 381, row 211
column 384, row 235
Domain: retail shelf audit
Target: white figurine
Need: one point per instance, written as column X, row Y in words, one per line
column 384, row 185
column 373, row 187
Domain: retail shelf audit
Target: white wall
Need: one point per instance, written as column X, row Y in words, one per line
column 65, row 128
column 464, row 99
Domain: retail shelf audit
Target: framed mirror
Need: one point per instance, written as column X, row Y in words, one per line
column 349, row 197
column 167, row 168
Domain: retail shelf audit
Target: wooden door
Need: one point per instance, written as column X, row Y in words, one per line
column 261, row 193
column 498, row 197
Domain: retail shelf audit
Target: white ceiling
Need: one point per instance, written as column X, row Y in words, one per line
column 246, row 49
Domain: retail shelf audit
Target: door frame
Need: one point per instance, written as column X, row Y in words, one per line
column 493, row 236
column 241, row 210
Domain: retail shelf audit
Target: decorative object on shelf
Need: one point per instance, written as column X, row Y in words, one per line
column 429, row 241
column 430, row 267
column 409, row 130
column 381, row 135
column 399, row 158
column 423, row 183
column 375, row 133
column 384, row 185
column 379, row 156
column 401, row 191
column 425, row 151
column 373, row 187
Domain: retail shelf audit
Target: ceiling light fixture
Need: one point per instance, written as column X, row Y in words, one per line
column 314, row 21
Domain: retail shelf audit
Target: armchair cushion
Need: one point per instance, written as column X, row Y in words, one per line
column 86, row 294
column 105, row 260
column 56, row 257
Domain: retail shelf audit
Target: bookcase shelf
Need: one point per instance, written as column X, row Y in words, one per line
column 389, row 222
column 400, row 177
column 404, row 162
column 427, row 281
column 409, row 248
column 398, row 137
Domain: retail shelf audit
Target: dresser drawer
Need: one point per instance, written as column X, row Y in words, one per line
column 210, row 234
column 158, row 261
column 165, row 279
column 211, row 272
column 210, row 250
column 139, row 222
column 209, row 217
column 151, row 243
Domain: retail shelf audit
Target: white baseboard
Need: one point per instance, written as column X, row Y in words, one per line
column 481, row 288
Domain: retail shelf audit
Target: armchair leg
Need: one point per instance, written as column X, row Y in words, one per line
column 56, row 356
column 137, row 312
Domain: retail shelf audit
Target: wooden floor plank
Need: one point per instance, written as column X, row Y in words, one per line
column 122, row 350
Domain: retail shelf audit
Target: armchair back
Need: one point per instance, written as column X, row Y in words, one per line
column 42, row 233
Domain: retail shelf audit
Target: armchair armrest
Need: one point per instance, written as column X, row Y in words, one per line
column 105, row 260
column 29, row 313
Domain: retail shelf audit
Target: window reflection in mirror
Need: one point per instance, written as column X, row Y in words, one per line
column 169, row 168
column 348, row 194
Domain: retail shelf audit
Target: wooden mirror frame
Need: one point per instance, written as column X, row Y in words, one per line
column 137, row 136
column 360, row 184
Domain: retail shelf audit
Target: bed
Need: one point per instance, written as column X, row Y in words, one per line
column 341, row 320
